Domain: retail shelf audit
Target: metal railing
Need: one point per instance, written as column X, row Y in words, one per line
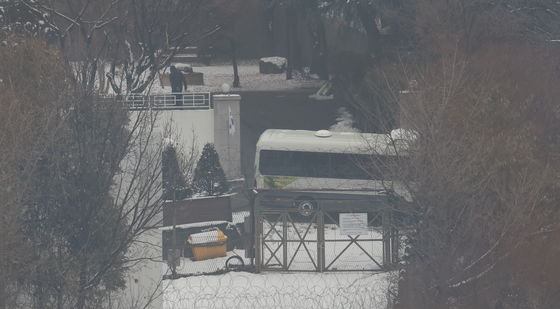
column 199, row 100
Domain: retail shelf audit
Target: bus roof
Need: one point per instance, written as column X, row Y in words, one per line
column 337, row 142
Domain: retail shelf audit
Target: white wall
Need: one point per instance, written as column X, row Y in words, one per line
column 189, row 125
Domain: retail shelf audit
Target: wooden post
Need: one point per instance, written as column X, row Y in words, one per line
column 236, row 83
column 289, row 54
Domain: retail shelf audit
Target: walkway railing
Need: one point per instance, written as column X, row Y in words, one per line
column 200, row 100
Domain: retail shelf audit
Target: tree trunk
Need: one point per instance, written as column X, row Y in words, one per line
column 366, row 14
column 289, row 55
column 173, row 256
column 59, row 303
column 319, row 57
column 271, row 46
column 233, row 45
column 322, row 69
column 39, row 293
column 3, row 294
column 295, row 44
column 81, row 302
column 60, row 290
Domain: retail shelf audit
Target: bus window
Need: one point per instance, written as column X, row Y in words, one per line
column 276, row 163
column 294, row 163
column 312, row 164
column 348, row 166
column 325, row 165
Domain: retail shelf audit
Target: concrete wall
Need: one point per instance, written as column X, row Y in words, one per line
column 227, row 133
column 220, row 126
column 188, row 126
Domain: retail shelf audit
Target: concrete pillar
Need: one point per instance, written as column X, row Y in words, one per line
column 227, row 137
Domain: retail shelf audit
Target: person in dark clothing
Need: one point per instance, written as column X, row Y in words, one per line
column 177, row 81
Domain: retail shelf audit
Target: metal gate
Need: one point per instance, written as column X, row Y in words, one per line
column 286, row 240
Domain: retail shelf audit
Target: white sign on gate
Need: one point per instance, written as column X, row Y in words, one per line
column 353, row 223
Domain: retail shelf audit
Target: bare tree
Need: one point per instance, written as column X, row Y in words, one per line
column 80, row 183
column 132, row 39
column 97, row 187
column 149, row 35
column 230, row 27
column 480, row 106
column 482, row 176
column 33, row 108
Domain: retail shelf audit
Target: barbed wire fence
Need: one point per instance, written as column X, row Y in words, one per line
column 280, row 290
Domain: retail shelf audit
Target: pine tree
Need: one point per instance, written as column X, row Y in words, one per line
column 209, row 176
column 172, row 176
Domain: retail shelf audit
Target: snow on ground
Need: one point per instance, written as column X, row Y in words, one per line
column 277, row 61
column 251, row 80
column 273, row 289
column 190, row 267
column 279, row 290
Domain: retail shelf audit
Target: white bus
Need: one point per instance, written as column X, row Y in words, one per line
column 304, row 169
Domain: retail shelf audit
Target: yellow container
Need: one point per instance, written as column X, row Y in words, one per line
column 208, row 245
